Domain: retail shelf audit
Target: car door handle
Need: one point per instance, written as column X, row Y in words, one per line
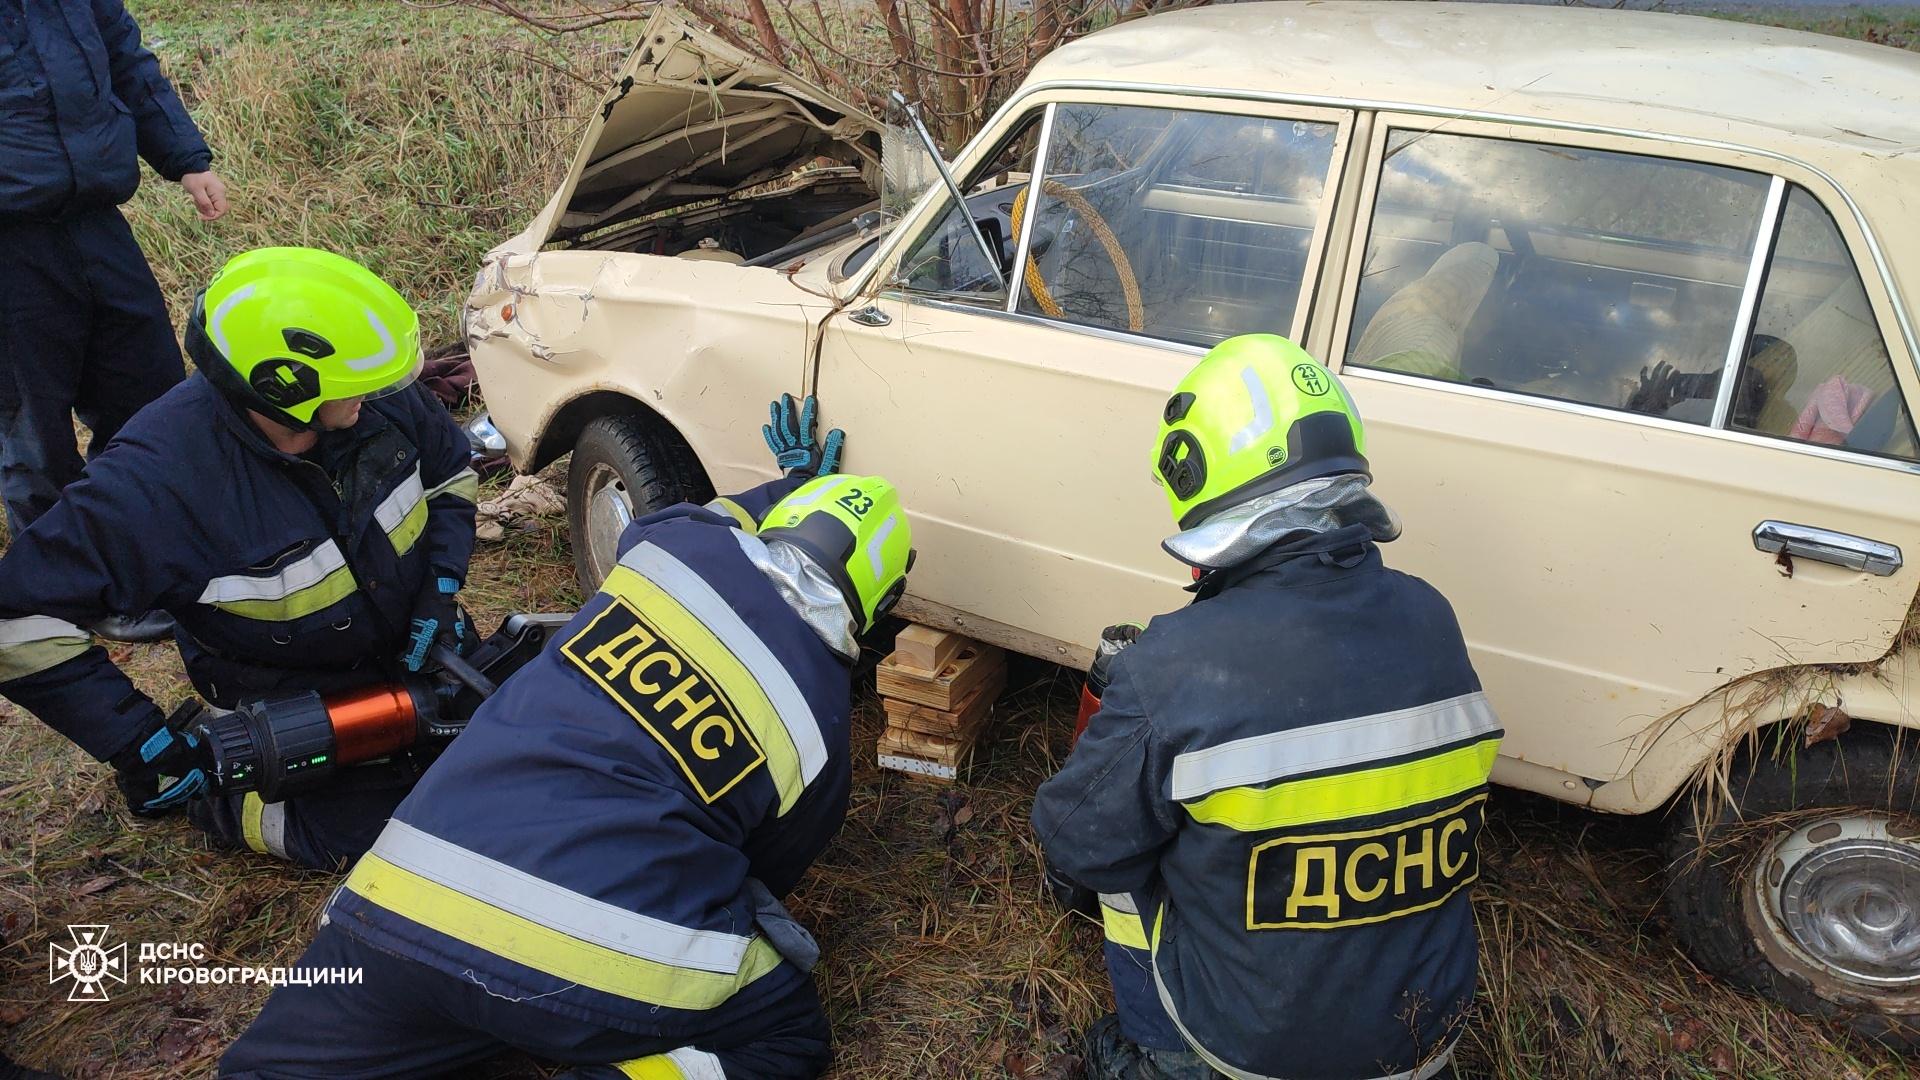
column 1825, row 545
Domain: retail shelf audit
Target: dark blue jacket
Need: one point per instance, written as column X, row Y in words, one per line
column 78, row 97
column 588, row 846
column 1287, row 776
column 281, row 574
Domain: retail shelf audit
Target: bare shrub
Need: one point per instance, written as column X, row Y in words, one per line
column 959, row 59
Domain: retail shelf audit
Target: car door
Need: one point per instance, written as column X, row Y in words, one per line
column 1018, row 423
column 1605, row 384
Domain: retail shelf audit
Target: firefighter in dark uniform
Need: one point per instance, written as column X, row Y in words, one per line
column 1280, row 796
column 592, row 872
column 86, row 329
column 301, row 508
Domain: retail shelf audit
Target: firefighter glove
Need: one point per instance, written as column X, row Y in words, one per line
column 160, row 770
column 790, row 435
column 436, row 619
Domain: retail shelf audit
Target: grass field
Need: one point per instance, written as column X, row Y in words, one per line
column 413, row 138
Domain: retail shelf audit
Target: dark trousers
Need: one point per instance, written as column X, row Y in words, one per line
column 321, row 830
column 85, row 333
column 407, row 1019
column 1144, row 1020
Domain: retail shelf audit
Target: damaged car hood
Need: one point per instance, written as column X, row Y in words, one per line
column 692, row 119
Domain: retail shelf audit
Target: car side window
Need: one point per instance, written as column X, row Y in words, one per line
column 1817, row 369
column 1583, row 275
column 1182, row 225
column 947, row 261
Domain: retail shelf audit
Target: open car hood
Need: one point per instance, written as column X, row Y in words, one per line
column 692, row 118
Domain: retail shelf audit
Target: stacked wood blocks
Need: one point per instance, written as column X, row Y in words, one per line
column 938, row 689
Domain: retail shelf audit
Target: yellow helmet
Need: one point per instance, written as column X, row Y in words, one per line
column 1255, row 415
column 856, row 529
column 284, row 330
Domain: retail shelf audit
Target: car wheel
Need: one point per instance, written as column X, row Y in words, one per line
column 1806, row 887
column 623, row 467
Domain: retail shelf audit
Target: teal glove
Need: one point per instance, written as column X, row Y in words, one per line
column 790, row 435
column 161, row 770
column 436, row 617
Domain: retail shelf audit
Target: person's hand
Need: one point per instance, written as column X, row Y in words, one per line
column 1659, row 390
column 160, row 770
column 436, row 619
column 209, row 193
column 790, row 436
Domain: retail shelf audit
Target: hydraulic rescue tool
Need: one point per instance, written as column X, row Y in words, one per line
column 1112, row 640
column 286, row 745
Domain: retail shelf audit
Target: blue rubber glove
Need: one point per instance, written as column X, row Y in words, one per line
column 790, row 436
column 436, row 618
column 161, row 770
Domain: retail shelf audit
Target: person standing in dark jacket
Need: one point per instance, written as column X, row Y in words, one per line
column 1280, row 797
column 86, row 332
column 301, row 508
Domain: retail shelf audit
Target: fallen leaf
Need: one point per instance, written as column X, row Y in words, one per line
column 97, row 885
column 1826, row 722
column 180, row 1045
column 1721, row 1059
column 963, row 815
column 11, row 1015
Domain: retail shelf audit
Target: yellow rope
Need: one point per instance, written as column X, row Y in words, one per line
column 1129, row 284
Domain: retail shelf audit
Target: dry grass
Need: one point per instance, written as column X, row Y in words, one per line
column 411, row 138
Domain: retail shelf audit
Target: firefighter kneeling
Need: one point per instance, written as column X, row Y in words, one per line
column 591, row 872
column 1280, row 796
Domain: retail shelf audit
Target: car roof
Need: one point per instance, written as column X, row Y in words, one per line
column 1783, row 91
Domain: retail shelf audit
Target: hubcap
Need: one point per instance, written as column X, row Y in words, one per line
column 1844, row 893
column 609, row 510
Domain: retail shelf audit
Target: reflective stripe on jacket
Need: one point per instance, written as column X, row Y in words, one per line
column 586, row 844
column 279, row 573
column 1292, row 772
column 79, row 95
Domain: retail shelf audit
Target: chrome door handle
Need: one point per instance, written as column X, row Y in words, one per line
column 1825, row 545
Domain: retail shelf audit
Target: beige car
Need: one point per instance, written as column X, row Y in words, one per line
column 1624, row 298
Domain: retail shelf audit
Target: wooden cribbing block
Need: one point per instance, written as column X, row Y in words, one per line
column 924, row 650
column 971, row 666
column 963, row 722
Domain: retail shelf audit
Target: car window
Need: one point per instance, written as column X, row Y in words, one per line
column 1817, row 369
column 1187, row 226
column 1604, row 278
column 947, row 261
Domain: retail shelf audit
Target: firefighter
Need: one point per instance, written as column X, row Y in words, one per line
column 303, row 511
column 592, row 872
column 1279, row 798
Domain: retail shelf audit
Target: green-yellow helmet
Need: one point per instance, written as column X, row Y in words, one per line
column 1255, row 415
column 283, row 330
column 856, row 529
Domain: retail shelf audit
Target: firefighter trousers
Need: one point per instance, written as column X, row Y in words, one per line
column 1143, row 1016
column 322, row 830
column 405, row 1019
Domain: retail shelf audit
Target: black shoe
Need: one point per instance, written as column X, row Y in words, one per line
column 1110, row 1055
column 155, row 625
column 10, row 1071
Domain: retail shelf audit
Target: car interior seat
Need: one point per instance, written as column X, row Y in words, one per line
column 1418, row 330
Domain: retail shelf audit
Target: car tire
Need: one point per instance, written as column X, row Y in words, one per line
column 1799, row 887
column 624, row 466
